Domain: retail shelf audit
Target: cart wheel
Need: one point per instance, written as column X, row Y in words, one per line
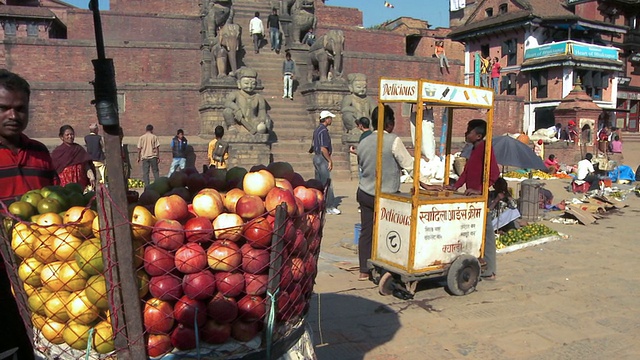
column 463, row 275
column 386, row 284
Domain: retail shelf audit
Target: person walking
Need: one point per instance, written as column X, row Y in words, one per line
column 395, row 157
column 25, row 164
column 273, row 23
column 218, row 155
column 95, row 148
column 149, row 154
column 288, row 72
column 472, row 179
column 322, row 158
column 256, row 29
column 178, row 151
column 495, row 75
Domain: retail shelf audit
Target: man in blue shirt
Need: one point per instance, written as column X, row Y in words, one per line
column 322, row 158
column 179, row 151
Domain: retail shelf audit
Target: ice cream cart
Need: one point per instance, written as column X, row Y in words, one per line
column 420, row 234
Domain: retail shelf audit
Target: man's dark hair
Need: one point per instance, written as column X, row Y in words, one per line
column 365, row 122
column 389, row 117
column 180, row 131
column 14, row 82
column 479, row 126
column 589, row 156
column 616, row 138
column 257, row 14
column 551, row 157
column 219, row 131
column 274, row 10
column 149, row 127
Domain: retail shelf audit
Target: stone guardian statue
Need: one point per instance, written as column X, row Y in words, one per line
column 246, row 107
column 357, row 104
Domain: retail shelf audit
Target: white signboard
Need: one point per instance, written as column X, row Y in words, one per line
column 445, row 231
column 460, row 95
column 398, row 90
column 394, row 221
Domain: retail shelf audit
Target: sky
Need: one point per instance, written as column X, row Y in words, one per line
column 436, row 12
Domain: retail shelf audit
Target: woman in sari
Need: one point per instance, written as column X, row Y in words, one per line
column 71, row 161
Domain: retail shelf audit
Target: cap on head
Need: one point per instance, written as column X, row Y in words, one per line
column 93, row 127
column 326, row 114
column 571, row 122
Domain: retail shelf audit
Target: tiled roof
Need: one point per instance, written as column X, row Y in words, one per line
column 26, row 11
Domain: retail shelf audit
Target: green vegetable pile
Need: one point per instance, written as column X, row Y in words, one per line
column 524, row 234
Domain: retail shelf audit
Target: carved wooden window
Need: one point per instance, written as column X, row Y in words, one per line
column 539, row 81
column 593, row 82
column 502, row 9
column 32, row 29
column 508, row 84
column 489, row 12
column 510, row 49
column 9, row 28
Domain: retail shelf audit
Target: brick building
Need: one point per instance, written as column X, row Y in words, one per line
column 546, row 46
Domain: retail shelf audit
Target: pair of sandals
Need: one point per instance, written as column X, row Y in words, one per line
column 363, row 277
column 491, row 277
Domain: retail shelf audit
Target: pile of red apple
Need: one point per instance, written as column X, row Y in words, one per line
column 208, row 253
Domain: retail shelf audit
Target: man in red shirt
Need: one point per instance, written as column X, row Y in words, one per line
column 472, row 178
column 25, row 164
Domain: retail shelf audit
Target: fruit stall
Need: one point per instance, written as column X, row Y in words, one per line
column 423, row 233
column 222, row 265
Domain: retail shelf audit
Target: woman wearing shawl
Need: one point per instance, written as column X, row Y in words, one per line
column 71, row 161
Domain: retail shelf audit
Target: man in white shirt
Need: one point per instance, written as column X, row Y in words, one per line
column 587, row 173
column 256, row 29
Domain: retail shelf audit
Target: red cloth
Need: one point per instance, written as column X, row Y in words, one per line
column 66, row 155
column 74, row 174
column 473, row 169
column 495, row 70
column 31, row 168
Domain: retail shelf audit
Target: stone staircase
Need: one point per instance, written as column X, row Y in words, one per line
column 293, row 126
column 630, row 137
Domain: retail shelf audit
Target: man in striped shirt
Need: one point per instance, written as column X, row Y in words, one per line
column 25, row 164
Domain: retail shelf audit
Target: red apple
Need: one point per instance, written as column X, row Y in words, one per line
column 296, row 296
column 157, row 316
column 255, row 261
column 251, row 308
column 199, row 229
column 224, row 255
column 190, row 312
column 277, row 196
column 286, row 276
column 283, row 306
column 300, row 207
column 250, row 206
column 307, row 196
column 230, row 284
column 284, row 184
column 313, row 219
column 200, row 285
column 165, row 287
column 258, row 183
column 157, row 261
column 256, row 284
column 314, row 245
column 319, row 197
column 171, row 207
column 183, row 338
column 208, row 204
column 190, row 258
column 195, row 182
column 158, row 345
column 297, row 268
column 258, row 233
column 168, row 234
column 228, row 226
column 244, row 331
column 299, row 245
column 231, row 199
column 215, row 333
column 222, row 309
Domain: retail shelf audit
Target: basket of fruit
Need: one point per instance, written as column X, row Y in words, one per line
column 224, row 263
column 524, row 234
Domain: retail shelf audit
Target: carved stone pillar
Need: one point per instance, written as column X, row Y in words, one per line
column 212, row 97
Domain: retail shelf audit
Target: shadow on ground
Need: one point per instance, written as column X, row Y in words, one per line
column 347, row 327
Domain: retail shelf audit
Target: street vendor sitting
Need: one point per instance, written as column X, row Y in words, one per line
column 586, row 172
column 503, row 207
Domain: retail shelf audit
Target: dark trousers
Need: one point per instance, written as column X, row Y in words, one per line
column 12, row 331
column 594, row 182
column 257, row 38
column 366, row 202
column 153, row 164
column 490, row 247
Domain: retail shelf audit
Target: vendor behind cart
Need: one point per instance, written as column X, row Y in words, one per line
column 471, row 178
column 395, row 157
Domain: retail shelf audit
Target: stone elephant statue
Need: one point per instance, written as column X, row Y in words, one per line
column 215, row 14
column 302, row 17
column 326, row 54
column 224, row 50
